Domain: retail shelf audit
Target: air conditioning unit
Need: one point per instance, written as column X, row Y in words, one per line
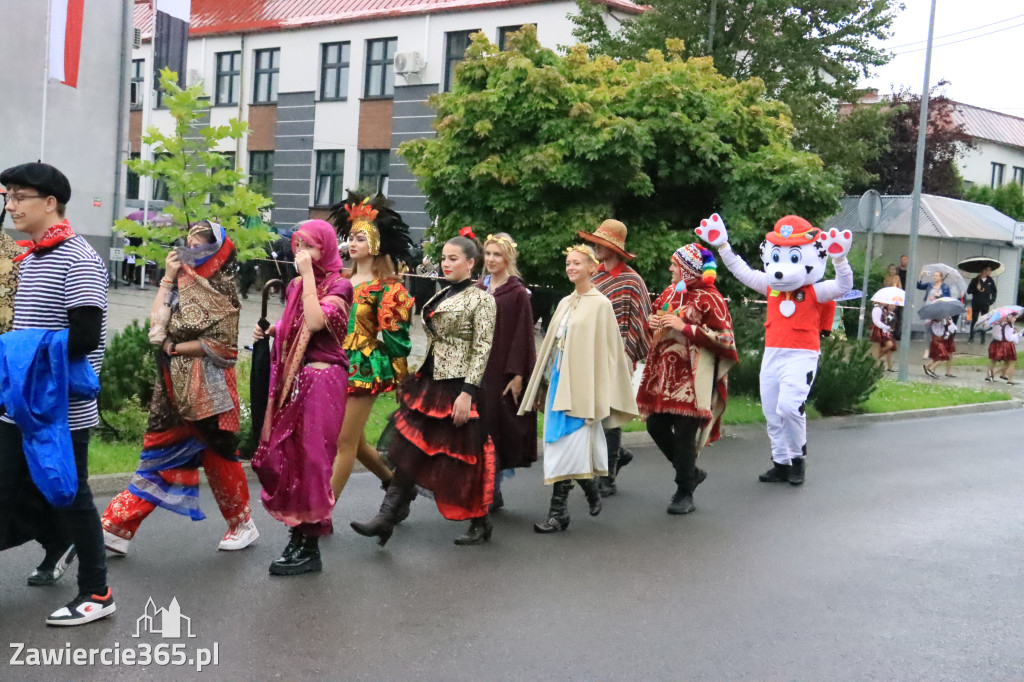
column 408, row 62
column 136, row 38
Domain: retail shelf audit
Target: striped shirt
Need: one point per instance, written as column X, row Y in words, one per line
column 632, row 304
column 71, row 275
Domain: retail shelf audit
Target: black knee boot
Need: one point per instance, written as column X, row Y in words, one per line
column 383, row 524
column 302, row 555
column 558, row 514
column 590, row 489
column 613, row 441
column 479, row 531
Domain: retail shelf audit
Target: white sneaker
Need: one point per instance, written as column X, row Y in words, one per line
column 240, row 537
column 84, row 608
column 115, row 544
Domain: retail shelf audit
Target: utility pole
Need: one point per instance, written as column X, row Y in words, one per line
column 711, row 28
column 912, row 265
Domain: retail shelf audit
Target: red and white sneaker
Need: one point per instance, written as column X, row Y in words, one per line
column 240, row 536
column 83, row 609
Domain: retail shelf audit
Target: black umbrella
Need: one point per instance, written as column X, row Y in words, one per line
column 259, row 380
column 978, row 263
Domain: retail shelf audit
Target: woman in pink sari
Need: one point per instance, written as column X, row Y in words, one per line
column 306, row 405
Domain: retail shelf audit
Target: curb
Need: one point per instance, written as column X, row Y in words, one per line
column 111, row 484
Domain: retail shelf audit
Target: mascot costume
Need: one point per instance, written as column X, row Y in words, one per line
column 794, row 255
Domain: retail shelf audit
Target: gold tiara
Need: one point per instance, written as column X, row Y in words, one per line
column 584, row 249
column 502, row 240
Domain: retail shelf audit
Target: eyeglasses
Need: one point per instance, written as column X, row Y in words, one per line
column 18, row 198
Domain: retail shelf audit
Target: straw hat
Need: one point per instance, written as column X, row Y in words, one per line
column 610, row 233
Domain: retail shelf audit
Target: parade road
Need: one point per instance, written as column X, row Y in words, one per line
column 900, row 559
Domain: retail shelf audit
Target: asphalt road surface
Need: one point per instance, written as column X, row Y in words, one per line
column 900, row 559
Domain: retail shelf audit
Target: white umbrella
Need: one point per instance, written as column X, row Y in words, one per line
column 953, row 279
column 890, row 296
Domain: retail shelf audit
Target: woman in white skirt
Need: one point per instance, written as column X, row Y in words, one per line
column 582, row 383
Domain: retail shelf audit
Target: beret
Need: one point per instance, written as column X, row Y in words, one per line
column 42, row 177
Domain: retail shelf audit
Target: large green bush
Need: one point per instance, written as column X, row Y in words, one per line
column 847, row 375
column 129, row 368
column 748, row 326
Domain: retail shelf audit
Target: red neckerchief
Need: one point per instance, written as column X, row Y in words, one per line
column 53, row 236
column 616, row 271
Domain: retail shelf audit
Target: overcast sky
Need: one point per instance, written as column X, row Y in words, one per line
column 986, row 71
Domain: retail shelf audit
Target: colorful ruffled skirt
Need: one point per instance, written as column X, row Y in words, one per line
column 456, row 464
column 1002, row 351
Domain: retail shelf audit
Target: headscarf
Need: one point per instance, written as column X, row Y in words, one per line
column 320, row 234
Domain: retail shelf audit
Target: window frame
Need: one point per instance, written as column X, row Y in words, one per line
column 262, row 178
column 387, row 65
column 342, row 67
column 381, row 174
column 272, row 72
column 1018, row 175
column 132, row 180
column 138, row 76
column 998, row 170
column 450, row 62
column 233, row 74
column 334, row 175
column 503, row 32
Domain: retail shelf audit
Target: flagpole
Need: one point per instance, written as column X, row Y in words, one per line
column 46, row 80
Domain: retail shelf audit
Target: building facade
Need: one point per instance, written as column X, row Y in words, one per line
column 330, row 89
column 998, row 154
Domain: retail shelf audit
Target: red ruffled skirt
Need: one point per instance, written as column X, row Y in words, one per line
column 880, row 337
column 456, row 464
column 1002, row 351
column 939, row 349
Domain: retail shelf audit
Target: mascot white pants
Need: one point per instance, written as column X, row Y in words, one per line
column 786, row 378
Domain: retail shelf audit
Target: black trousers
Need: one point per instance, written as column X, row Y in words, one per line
column 977, row 312
column 676, row 437
column 24, row 511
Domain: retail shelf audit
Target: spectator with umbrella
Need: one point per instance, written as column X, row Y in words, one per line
column 982, row 288
column 883, row 324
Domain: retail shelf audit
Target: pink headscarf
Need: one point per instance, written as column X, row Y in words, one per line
column 320, row 234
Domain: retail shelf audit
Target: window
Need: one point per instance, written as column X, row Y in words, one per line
column 505, row 31
column 159, row 186
column 1018, row 175
column 455, row 51
column 132, row 187
column 334, row 71
column 261, row 172
column 330, row 167
column 138, row 84
column 230, row 165
column 373, row 170
column 268, row 67
column 380, row 67
column 229, row 77
column 997, row 174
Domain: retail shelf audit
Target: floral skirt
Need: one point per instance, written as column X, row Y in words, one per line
column 456, row 464
column 1002, row 351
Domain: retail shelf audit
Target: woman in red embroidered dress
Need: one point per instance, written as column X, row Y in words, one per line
column 194, row 414
column 683, row 390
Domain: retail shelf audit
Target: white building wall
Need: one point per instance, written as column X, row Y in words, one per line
column 976, row 164
column 337, row 122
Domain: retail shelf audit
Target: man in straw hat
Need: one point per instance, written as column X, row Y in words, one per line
column 632, row 304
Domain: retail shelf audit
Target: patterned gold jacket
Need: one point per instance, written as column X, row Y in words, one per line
column 460, row 332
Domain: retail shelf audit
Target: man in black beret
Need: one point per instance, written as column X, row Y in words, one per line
column 62, row 284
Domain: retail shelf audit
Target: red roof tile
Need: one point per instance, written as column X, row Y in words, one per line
column 212, row 17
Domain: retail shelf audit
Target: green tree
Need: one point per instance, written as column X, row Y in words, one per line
column 200, row 183
column 542, row 145
column 1008, row 199
column 810, row 56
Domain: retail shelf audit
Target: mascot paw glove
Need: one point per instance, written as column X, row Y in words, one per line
column 712, row 230
column 837, row 243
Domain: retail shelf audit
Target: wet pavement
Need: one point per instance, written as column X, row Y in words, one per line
column 900, row 559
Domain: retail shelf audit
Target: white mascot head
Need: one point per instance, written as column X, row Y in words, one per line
column 793, row 254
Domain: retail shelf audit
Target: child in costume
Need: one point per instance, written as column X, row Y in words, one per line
column 794, row 255
column 1003, row 349
column 942, row 346
column 883, row 345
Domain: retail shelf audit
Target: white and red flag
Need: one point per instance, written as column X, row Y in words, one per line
column 66, row 40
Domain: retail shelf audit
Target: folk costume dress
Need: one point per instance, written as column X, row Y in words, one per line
column 457, row 464
column 194, row 412
column 513, row 353
column 683, row 390
column 942, row 345
column 306, row 404
column 882, row 323
column 1003, row 347
column 377, row 342
column 584, row 365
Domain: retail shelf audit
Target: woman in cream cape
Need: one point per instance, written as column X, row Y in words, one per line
column 582, row 382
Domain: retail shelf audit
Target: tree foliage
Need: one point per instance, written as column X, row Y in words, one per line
column 946, row 140
column 200, row 183
column 1008, row 199
column 810, row 56
column 542, row 145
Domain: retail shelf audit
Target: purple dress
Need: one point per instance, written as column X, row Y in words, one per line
column 305, row 409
